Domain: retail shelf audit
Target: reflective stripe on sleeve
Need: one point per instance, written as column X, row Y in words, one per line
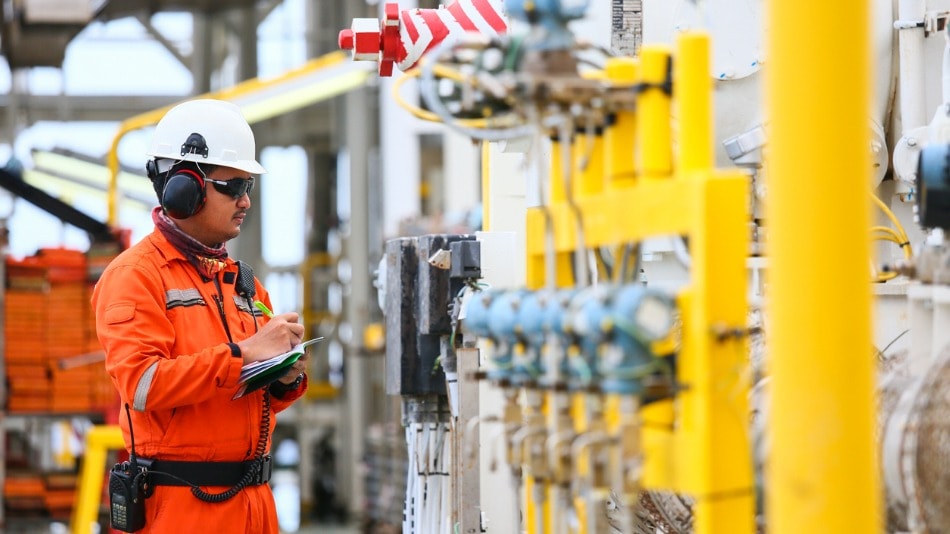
column 141, row 391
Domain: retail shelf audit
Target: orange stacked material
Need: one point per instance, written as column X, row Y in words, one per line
column 25, row 330
column 51, row 333
column 71, row 389
column 59, row 496
column 23, row 494
column 29, row 387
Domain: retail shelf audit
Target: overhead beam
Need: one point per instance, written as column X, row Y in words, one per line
column 146, row 22
column 35, row 108
column 312, row 123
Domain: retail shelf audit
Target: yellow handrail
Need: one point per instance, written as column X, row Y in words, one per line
column 298, row 89
column 99, row 440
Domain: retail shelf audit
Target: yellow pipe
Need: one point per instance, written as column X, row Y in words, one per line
column 112, row 157
column 538, row 235
column 693, row 106
column 534, row 416
column 619, row 137
column 714, row 461
column 589, row 159
column 581, row 466
column 657, row 420
column 486, row 186
column 822, row 472
column 99, row 440
column 654, row 139
column 560, row 428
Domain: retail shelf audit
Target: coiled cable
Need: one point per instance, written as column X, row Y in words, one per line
column 255, row 468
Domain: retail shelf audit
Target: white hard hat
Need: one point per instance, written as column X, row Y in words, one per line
column 206, row 131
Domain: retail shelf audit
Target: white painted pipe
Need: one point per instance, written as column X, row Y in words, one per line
column 911, row 49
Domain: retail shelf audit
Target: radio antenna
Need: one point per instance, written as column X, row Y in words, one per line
column 128, row 414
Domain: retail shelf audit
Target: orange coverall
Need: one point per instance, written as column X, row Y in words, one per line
column 166, row 344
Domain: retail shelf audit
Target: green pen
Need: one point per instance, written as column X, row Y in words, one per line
column 261, row 306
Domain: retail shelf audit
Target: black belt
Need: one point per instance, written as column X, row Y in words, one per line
column 173, row 473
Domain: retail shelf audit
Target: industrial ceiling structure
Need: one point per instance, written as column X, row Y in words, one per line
column 36, row 33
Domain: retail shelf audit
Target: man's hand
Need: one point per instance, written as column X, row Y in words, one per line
column 298, row 368
column 280, row 334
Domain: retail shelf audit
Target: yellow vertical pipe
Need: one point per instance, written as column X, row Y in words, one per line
column 535, row 482
column 112, row 163
column 822, row 473
column 658, row 420
column 536, row 228
column 693, row 107
column 582, row 424
column 564, row 275
column 654, row 139
column 112, row 157
column 99, row 440
column 620, row 135
column 714, row 451
column 589, row 160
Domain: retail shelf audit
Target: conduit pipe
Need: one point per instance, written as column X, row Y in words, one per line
column 822, row 466
column 911, row 50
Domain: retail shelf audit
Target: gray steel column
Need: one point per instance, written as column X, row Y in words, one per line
column 201, row 65
column 247, row 43
column 356, row 372
column 248, row 246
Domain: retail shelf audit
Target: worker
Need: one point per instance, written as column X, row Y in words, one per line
column 178, row 319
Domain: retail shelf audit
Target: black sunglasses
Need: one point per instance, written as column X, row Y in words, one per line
column 234, row 188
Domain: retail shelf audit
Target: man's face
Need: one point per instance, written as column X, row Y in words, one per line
column 220, row 219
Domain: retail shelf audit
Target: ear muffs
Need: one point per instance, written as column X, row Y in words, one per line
column 183, row 193
column 180, row 190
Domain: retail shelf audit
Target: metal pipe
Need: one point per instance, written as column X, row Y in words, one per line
column 493, row 440
column 515, row 473
column 713, row 456
column 553, row 445
column 565, row 133
column 912, row 62
column 822, row 465
column 654, row 130
column 522, row 434
column 695, row 149
column 470, row 437
column 100, row 440
column 582, row 442
column 620, row 137
column 530, row 479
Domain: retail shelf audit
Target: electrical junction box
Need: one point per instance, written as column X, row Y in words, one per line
column 424, row 275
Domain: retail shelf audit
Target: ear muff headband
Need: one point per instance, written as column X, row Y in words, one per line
column 183, row 193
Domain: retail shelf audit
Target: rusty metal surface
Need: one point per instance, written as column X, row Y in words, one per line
column 894, row 382
column 663, row 511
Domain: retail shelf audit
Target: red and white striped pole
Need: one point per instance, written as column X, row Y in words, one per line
column 402, row 38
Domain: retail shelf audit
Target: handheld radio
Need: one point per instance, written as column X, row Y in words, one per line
column 128, row 489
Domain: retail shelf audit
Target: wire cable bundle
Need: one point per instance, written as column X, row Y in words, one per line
column 428, row 486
